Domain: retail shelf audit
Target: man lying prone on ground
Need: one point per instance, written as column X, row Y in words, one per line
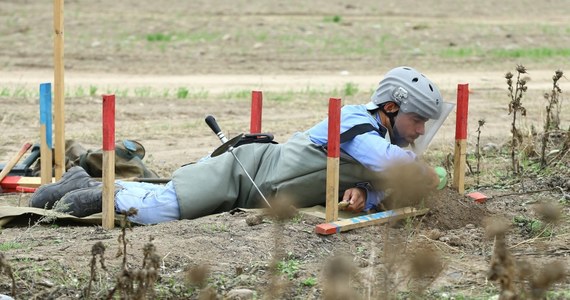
column 373, row 137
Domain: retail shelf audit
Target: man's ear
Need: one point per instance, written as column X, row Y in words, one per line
column 391, row 107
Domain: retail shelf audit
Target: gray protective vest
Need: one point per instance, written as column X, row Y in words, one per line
column 295, row 169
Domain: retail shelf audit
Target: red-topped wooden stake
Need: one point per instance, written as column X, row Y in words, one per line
column 108, row 161
column 460, row 156
column 256, row 108
column 333, row 154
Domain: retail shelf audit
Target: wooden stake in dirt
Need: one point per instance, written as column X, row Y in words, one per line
column 367, row 220
column 333, row 156
column 46, row 171
column 459, row 160
column 14, row 160
column 59, row 118
column 256, row 106
column 108, row 161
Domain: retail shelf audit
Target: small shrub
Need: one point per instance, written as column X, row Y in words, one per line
column 350, row 89
column 288, row 267
column 182, row 93
column 311, row 281
column 159, row 37
column 92, row 90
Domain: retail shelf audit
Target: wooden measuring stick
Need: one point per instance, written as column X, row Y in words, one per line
column 14, row 160
column 108, row 161
column 12, row 182
column 367, row 220
column 59, row 117
column 459, row 159
column 46, row 169
column 333, row 160
column 256, row 107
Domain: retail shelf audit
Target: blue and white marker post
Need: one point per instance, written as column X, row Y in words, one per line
column 46, row 133
column 367, row 220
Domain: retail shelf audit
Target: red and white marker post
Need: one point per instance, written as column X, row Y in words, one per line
column 459, row 160
column 256, row 107
column 108, row 161
column 333, row 160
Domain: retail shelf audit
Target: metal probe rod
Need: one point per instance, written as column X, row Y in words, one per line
column 211, row 121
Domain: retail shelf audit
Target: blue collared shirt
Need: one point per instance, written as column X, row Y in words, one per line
column 370, row 149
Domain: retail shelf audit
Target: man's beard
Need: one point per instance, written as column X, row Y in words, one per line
column 398, row 140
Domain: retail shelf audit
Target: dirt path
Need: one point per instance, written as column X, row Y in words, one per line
column 218, row 83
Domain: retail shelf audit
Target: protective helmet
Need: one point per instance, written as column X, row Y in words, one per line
column 411, row 91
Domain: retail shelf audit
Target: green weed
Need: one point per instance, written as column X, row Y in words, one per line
column 10, row 246
column 558, row 295
column 215, row 227
column 165, row 93
column 200, row 94
column 120, row 93
column 182, row 93
column 92, row 90
column 283, row 97
column 159, row 37
column 289, row 267
column 297, row 218
column 241, row 94
column 261, row 37
column 165, row 288
column 333, row 19
column 143, row 92
column 311, row 281
column 532, row 53
column 535, row 228
column 5, row 92
column 79, row 92
column 21, row 92
column 350, row 89
column 218, row 280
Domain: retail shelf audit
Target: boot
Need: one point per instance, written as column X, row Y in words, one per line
column 46, row 195
column 83, row 202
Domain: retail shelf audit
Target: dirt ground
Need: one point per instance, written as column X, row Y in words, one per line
column 171, row 63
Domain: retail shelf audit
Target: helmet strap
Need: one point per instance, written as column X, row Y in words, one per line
column 386, row 121
column 388, row 112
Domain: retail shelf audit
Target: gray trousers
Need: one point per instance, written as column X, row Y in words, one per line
column 295, row 170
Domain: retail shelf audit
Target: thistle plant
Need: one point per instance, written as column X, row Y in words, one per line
column 552, row 113
column 516, row 93
column 481, row 122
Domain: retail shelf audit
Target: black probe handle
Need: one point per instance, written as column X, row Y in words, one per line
column 211, row 121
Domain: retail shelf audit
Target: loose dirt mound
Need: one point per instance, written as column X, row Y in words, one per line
column 451, row 210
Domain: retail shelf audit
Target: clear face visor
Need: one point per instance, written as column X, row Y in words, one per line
column 431, row 128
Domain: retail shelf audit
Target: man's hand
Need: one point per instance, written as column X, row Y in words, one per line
column 356, row 199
